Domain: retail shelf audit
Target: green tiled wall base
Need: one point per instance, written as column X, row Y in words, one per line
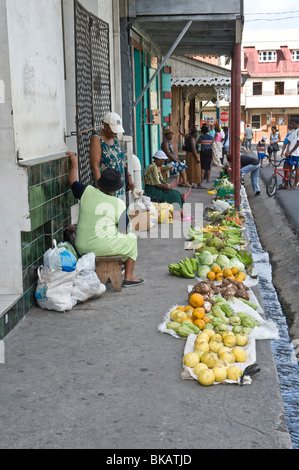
column 50, row 202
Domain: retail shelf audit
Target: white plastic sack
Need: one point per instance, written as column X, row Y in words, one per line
column 54, row 289
column 59, row 258
column 142, row 202
column 86, row 286
column 86, row 263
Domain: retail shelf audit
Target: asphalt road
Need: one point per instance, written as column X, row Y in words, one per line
column 277, row 221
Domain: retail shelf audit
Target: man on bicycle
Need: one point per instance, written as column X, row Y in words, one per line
column 292, row 151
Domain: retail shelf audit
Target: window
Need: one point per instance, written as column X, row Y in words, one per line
column 256, row 121
column 295, row 55
column 257, row 88
column 267, row 56
column 279, row 88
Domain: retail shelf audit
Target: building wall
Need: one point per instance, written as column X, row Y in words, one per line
column 37, row 114
column 273, row 109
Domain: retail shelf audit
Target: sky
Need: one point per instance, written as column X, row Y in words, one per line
column 271, row 14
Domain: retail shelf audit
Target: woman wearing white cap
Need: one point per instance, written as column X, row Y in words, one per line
column 158, row 190
column 105, row 151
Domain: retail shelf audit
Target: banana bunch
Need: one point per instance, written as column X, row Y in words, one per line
column 214, row 228
column 233, row 237
column 185, row 268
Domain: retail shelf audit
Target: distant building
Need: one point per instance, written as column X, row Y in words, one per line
column 271, row 92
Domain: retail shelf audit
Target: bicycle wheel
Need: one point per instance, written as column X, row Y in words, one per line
column 271, row 185
column 291, row 177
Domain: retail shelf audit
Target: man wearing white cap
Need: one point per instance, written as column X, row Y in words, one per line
column 105, row 152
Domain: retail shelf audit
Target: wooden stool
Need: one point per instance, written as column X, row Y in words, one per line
column 110, row 267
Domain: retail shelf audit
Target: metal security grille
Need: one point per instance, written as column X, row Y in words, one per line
column 93, row 92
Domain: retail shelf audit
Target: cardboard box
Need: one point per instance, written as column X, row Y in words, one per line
column 140, row 220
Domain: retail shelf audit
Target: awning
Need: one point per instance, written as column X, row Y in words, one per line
column 213, row 28
column 208, row 88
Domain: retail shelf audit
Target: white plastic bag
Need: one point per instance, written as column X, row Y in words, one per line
column 54, row 289
column 59, row 258
column 145, row 203
column 86, row 286
column 86, row 263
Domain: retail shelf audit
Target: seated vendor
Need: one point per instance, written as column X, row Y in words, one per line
column 103, row 221
column 158, row 190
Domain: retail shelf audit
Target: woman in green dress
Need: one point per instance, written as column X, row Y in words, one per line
column 158, row 190
column 105, row 152
column 103, row 225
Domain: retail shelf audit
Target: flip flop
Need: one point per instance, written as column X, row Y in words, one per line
column 133, row 283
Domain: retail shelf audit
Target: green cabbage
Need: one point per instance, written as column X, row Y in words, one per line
column 234, row 261
column 223, row 261
column 205, row 257
column 203, row 270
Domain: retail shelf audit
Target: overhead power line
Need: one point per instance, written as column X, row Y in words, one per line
column 273, row 13
column 273, row 19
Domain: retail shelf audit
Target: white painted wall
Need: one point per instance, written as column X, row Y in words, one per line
column 37, row 76
column 14, row 193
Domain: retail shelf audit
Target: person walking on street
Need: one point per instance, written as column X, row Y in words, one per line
column 248, row 138
column 205, row 139
column 249, row 165
column 225, row 148
column 261, row 150
column 217, row 147
column 292, row 152
column 191, row 148
column 274, row 147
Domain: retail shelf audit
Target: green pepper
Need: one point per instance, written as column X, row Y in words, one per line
column 172, row 325
column 185, row 330
column 218, row 313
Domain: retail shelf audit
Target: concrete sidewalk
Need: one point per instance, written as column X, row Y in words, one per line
column 103, row 377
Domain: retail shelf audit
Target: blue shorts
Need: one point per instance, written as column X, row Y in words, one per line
column 261, row 156
column 293, row 161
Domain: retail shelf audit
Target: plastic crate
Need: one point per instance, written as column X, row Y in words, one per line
column 222, row 192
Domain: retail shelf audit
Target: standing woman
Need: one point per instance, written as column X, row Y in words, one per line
column 217, row 147
column 178, row 166
column 205, row 139
column 105, row 152
column 193, row 159
column 274, row 147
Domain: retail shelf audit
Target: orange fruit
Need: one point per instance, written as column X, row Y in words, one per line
column 188, row 319
column 206, row 319
column 211, row 275
column 196, row 300
column 219, row 276
column 227, row 272
column 199, row 323
column 241, row 277
column 216, row 269
column 180, row 308
column 198, row 313
column 188, row 307
column 234, row 270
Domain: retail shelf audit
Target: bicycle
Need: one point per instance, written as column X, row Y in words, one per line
column 287, row 175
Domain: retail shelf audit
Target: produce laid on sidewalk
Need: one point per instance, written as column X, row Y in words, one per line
column 220, row 317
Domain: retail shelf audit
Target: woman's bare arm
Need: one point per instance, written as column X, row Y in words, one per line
column 95, row 156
